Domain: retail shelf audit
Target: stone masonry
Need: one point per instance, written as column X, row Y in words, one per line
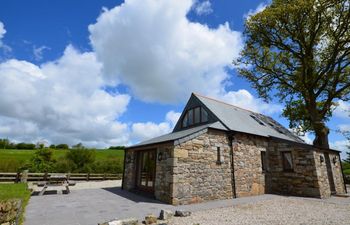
column 199, row 175
column 199, row 168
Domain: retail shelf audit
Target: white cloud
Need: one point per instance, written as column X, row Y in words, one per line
column 39, row 51
column 202, row 8
column 342, row 145
column 344, row 127
column 60, row 101
column 2, row 31
column 244, row 99
column 144, row 131
column 258, row 9
column 342, row 110
column 159, row 54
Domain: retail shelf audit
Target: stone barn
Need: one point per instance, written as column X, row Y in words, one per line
column 220, row 151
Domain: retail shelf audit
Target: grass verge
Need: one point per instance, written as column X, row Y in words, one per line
column 15, row 191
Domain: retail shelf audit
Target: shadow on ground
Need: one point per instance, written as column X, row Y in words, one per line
column 135, row 196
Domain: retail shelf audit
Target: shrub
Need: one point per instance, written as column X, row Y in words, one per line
column 62, row 146
column 23, row 145
column 81, row 157
column 42, row 161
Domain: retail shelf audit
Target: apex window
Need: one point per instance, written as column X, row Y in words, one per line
column 194, row 116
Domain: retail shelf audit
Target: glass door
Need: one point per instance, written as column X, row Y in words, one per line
column 146, row 170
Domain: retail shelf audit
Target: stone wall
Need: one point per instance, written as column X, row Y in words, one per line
column 164, row 173
column 129, row 170
column 323, row 175
column 198, row 175
column 303, row 181
column 249, row 177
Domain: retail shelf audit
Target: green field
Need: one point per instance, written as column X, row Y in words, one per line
column 12, row 160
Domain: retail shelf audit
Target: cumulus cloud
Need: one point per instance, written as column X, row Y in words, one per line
column 144, row 131
column 39, row 51
column 2, row 30
column 258, row 9
column 159, row 54
column 244, row 99
column 202, row 8
column 342, row 110
column 342, row 145
column 60, row 101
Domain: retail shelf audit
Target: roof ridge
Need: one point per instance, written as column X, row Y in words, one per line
column 220, row 101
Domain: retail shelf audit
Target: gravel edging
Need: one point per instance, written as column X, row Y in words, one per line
column 281, row 210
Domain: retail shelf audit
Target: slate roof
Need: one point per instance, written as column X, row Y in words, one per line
column 242, row 120
column 180, row 134
column 231, row 118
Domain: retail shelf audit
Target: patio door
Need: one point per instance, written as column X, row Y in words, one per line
column 146, row 170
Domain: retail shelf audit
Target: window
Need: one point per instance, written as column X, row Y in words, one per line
column 287, row 161
column 194, row 116
column 204, row 115
column 197, row 115
column 263, row 161
column 219, row 157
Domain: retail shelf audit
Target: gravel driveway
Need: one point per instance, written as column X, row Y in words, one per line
column 279, row 210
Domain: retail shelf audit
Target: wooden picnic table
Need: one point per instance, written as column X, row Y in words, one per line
column 55, row 180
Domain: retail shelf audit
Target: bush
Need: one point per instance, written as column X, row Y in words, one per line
column 81, row 157
column 42, row 161
column 27, row 146
column 62, row 146
column 108, row 166
column 117, row 147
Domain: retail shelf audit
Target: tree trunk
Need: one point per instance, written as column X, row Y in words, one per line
column 321, row 135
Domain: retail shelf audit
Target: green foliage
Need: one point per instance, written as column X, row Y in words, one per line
column 62, row 146
column 117, row 147
column 23, row 145
column 42, row 161
column 17, row 160
column 298, row 51
column 78, row 146
column 81, row 158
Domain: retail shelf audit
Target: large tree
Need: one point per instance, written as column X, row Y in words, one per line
column 299, row 52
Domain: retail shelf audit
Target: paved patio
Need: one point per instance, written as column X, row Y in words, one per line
column 93, row 206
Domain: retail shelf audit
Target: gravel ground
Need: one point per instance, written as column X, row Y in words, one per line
column 280, row 210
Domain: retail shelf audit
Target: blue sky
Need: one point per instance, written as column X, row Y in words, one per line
column 112, row 72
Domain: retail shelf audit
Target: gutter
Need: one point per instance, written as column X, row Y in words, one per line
column 342, row 172
column 230, row 138
column 123, row 169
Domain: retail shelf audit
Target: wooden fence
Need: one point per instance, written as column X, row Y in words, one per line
column 16, row 177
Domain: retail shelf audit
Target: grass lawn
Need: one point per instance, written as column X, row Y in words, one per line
column 10, row 191
column 11, row 160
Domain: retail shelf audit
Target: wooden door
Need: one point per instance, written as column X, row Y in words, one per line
column 146, row 170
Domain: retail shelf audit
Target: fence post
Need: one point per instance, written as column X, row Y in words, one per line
column 18, row 177
column 104, row 176
column 68, row 176
column 45, row 176
column 24, row 176
column 88, row 176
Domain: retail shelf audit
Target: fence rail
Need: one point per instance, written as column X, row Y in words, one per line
column 17, row 177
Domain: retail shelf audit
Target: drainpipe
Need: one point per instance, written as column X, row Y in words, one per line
column 123, row 169
column 230, row 138
column 341, row 168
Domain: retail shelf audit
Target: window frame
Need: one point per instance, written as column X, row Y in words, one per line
column 186, row 115
column 284, row 161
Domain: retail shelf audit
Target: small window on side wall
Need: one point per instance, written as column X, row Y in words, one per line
column 263, row 161
column 287, row 161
